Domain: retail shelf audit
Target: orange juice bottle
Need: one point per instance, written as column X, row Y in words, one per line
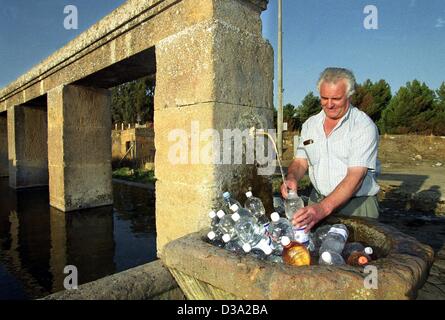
column 295, row 253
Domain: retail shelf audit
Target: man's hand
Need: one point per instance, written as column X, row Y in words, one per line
column 309, row 216
column 290, row 184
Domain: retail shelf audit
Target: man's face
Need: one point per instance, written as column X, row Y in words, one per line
column 333, row 99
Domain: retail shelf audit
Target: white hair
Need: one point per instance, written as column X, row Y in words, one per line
column 333, row 75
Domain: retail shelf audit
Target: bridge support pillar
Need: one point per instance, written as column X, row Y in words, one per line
column 4, row 171
column 214, row 76
column 27, row 146
column 79, row 152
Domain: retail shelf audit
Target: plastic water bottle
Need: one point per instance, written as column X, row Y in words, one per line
column 330, row 258
column 252, row 235
column 278, row 204
column 335, row 239
column 320, row 234
column 254, row 205
column 278, row 228
column 294, row 253
column 292, row 204
column 241, row 211
column 357, row 254
column 214, row 221
column 226, row 226
column 228, row 201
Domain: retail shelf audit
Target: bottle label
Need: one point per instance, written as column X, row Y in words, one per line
column 300, row 235
column 339, row 231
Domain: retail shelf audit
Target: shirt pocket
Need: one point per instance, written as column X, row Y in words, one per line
column 313, row 153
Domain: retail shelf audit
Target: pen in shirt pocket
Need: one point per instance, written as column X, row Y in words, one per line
column 308, row 142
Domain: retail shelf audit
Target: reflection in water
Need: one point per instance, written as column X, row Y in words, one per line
column 38, row 241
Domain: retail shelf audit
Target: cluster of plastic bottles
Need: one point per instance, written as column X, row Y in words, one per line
column 247, row 229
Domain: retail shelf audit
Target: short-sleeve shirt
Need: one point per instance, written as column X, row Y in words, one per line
column 352, row 143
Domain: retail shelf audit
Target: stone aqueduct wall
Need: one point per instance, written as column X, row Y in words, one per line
column 212, row 67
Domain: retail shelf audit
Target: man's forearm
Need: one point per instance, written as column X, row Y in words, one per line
column 344, row 191
column 297, row 169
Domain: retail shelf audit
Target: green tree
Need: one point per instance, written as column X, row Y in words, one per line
column 372, row 98
column 310, row 105
column 409, row 110
column 133, row 101
column 438, row 117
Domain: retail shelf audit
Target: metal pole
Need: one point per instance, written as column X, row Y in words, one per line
column 280, row 83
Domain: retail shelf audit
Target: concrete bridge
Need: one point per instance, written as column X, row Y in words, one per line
column 211, row 66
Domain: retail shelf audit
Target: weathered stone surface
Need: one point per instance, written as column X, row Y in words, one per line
column 151, row 281
column 206, row 272
column 4, row 167
column 27, row 146
column 79, row 154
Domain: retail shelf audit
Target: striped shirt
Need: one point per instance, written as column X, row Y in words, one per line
column 352, row 143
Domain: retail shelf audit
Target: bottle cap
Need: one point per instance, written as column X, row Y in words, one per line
column 234, row 207
column 220, row 214
column 248, row 194
column 274, row 216
column 212, row 214
column 285, row 240
column 247, row 247
column 226, row 238
column 211, row 235
column 326, row 257
column 267, row 250
column 226, row 195
column 362, row 260
column 235, row 216
column 369, row 251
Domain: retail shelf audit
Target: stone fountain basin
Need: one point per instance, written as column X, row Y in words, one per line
column 204, row 271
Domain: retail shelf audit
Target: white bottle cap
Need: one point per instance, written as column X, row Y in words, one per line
column 326, row 257
column 369, row 251
column 220, row 214
column 234, row 207
column 212, row 214
column 247, row 247
column 235, row 216
column 226, row 194
column 226, row 238
column 211, row 235
column 266, row 248
column 248, row 194
column 274, row 216
column 285, row 240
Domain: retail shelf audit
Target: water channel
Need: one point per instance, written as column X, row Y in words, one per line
column 38, row 241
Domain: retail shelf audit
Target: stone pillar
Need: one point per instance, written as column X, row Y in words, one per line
column 27, row 146
column 215, row 75
column 4, row 171
column 79, row 149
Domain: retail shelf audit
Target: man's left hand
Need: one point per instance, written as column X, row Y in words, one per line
column 309, row 216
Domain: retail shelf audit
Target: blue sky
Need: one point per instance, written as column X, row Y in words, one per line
column 409, row 42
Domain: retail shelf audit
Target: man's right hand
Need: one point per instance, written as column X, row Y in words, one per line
column 290, row 184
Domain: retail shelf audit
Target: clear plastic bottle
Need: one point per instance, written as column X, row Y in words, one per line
column 226, row 226
column 241, row 211
column 252, row 235
column 294, row 253
column 335, row 239
column 278, row 228
column 292, row 204
column 320, row 234
column 278, row 204
column 214, row 221
column 329, row 258
column 254, row 205
column 228, row 201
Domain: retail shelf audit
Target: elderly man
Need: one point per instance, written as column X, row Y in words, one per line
column 339, row 147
